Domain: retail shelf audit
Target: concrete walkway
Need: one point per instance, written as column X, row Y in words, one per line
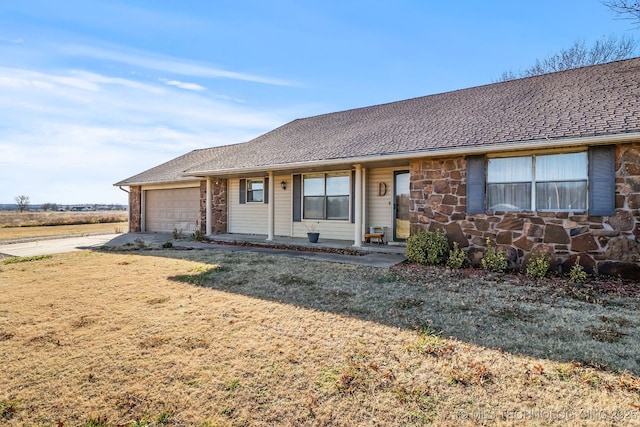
column 55, row 246
column 372, row 256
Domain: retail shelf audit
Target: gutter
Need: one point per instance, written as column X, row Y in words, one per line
column 509, row 146
column 120, row 187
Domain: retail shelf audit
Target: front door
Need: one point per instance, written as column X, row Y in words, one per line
column 401, row 205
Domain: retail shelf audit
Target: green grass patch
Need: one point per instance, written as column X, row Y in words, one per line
column 16, row 260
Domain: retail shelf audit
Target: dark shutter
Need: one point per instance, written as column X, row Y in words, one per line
column 475, row 184
column 297, row 198
column 266, row 190
column 243, row 191
column 353, row 197
column 602, row 180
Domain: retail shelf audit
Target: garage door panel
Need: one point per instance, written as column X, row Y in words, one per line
column 170, row 209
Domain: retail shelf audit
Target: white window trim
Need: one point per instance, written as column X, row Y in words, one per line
column 326, row 174
column 248, row 190
column 533, row 181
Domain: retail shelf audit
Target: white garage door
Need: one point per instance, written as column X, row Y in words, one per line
column 177, row 208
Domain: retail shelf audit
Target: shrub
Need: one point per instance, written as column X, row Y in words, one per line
column 427, row 247
column 457, row 257
column 537, row 267
column 577, row 273
column 198, row 236
column 494, row 260
column 177, row 234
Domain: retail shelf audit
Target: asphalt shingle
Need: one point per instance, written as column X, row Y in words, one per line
column 590, row 101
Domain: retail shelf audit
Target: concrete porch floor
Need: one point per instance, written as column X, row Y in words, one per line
column 372, row 255
column 395, row 248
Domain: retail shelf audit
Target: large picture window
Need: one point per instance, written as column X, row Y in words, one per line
column 326, row 196
column 550, row 182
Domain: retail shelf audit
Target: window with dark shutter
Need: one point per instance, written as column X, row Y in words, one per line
column 243, row 191
column 602, row 180
column 297, row 198
column 475, row 184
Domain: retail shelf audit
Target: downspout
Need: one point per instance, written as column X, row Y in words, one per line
column 128, row 207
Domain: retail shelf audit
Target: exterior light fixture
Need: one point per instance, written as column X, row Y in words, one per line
column 283, row 185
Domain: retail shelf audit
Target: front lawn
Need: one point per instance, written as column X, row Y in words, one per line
column 211, row 338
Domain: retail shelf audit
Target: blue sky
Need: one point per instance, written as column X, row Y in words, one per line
column 92, row 92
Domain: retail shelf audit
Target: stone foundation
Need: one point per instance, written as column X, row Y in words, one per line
column 135, row 208
column 605, row 245
column 218, row 206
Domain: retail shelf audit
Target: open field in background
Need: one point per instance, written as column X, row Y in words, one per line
column 208, row 338
column 34, row 219
column 10, row 233
column 16, row 225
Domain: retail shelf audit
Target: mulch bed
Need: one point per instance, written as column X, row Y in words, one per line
column 594, row 286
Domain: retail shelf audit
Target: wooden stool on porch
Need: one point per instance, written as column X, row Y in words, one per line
column 375, row 234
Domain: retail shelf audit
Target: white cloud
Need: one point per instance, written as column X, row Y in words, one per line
column 66, row 137
column 164, row 64
column 183, row 85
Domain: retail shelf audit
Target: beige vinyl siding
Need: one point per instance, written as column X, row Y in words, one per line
column 283, row 209
column 339, row 230
column 248, row 218
column 379, row 208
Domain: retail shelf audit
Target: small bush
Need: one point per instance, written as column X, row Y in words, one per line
column 138, row 243
column 538, row 267
column 177, row 234
column 494, row 260
column 167, row 245
column 198, row 236
column 457, row 257
column 577, row 273
column 427, row 247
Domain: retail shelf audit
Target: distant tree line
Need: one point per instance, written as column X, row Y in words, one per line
column 23, row 203
column 49, row 207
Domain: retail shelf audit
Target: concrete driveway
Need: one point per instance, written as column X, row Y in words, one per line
column 55, row 246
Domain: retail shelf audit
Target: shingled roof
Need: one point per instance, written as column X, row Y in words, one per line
column 174, row 170
column 593, row 101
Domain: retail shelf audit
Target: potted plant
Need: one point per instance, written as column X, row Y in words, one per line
column 312, row 234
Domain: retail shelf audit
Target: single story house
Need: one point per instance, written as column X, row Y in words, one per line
column 542, row 164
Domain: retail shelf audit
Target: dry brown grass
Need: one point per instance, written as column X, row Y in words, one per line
column 17, row 225
column 10, row 233
column 226, row 339
column 35, row 219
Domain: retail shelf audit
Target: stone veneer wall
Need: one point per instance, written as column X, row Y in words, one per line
column 218, row 206
column 135, row 208
column 606, row 245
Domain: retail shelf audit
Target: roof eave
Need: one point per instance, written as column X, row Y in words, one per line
column 436, row 152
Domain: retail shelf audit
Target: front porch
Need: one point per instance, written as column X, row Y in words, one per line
column 393, row 248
